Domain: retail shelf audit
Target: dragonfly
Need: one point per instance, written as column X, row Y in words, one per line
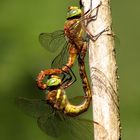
column 55, row 114
column 71, row 39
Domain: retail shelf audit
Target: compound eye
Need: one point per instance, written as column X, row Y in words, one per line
column 73, row 12
column 54, row 81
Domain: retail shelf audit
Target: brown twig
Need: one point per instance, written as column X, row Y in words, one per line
column 103, row 71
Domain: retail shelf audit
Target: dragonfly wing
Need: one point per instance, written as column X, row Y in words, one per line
column 32, row 107
column 62, row 127
column 52, row 41
column 82, row 129
column 50, row 124
column 62, row 58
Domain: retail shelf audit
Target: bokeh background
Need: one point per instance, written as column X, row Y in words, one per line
column 22, row 57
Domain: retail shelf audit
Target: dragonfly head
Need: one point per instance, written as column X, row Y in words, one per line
column 73, row 12
column 53, row 81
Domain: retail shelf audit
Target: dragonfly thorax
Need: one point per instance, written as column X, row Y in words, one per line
column 57, row 99
column 73, row 31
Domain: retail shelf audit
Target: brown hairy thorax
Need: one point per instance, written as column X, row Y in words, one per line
column 54, row 101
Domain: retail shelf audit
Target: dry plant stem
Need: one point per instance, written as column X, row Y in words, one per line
column 104, row 76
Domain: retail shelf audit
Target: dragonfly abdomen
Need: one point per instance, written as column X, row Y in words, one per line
column 75, row 110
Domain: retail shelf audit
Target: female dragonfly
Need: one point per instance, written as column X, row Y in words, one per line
column 55, row 114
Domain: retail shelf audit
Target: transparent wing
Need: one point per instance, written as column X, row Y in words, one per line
column 55, row 123
column 52, row 41
column 62, row 58
column 33, row 107
column 61, row 126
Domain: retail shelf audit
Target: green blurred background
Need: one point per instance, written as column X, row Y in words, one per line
column 21, row 58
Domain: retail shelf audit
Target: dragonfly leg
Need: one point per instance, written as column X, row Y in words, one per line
column 69, row 81
column 88, row 16
column 95, row 37
column 64, row 76
column 94, row 17
column 66, row 80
